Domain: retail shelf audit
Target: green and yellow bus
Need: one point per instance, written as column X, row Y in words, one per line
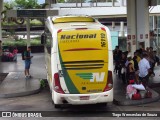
column 79, row 60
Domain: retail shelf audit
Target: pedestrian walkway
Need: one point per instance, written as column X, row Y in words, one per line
column 120, row 91
column 15, row 84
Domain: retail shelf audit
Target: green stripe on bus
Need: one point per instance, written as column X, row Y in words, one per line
column 84, row 74
column 71, row 87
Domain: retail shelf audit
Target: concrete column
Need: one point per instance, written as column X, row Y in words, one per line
column 96, row 3
column 113, row 25
column 131, row 26
column 1, row 9
column 53, row 1
column 142, row 18
column 137, row 24
column 28, row 31
column 154, row 22
column 81, row 4
column 113, row 3
column 121, row 2
column 49, row 3
column 76, row 3
column 122, row 29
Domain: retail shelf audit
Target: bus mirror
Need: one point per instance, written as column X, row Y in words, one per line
column 43, row 38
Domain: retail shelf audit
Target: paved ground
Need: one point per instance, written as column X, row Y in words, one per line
column 15, row 83
column 42, row 101
column 37, row 67
column 120, row 91
column 2, row 76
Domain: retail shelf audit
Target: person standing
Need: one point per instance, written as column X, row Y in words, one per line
column 130, row 74
column 27, row 60
column 151, row 60
column 122, row 68
column 129, row 60
column 117, row 57
column 144, row 69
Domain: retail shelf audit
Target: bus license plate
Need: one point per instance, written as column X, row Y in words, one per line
column 84, row 97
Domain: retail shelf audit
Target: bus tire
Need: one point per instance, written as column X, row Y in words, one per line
column 57, row 105
column 102, row 104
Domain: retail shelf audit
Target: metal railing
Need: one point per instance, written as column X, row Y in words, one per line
column 91, row 3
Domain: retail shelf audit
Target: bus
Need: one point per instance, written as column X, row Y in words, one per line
column 79, row 60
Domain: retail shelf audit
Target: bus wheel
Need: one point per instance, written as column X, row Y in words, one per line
column 102, row 104
column 57, row 105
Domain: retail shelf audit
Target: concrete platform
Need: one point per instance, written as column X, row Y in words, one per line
column 15, row 85
column 120, row 91
column 121, row 100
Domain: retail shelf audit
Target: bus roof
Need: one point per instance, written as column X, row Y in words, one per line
column 72, row 25
column 66, row 19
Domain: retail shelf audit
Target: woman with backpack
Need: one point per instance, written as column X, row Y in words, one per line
column 27, row 60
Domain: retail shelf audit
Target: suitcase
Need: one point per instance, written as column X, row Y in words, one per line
column 136, row 96
column 149, row 94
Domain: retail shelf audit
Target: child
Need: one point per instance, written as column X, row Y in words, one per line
column 130, row 73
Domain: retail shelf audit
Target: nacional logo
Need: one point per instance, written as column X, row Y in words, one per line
column 98, row 77
column 78, row 36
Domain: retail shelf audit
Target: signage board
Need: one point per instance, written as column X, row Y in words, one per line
column 31, row 13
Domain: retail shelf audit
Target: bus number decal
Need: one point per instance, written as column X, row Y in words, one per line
column 103, row 40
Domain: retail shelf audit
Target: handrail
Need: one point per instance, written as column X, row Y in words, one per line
column 92, row 3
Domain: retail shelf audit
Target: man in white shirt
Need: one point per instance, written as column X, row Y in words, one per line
column 144, row 68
